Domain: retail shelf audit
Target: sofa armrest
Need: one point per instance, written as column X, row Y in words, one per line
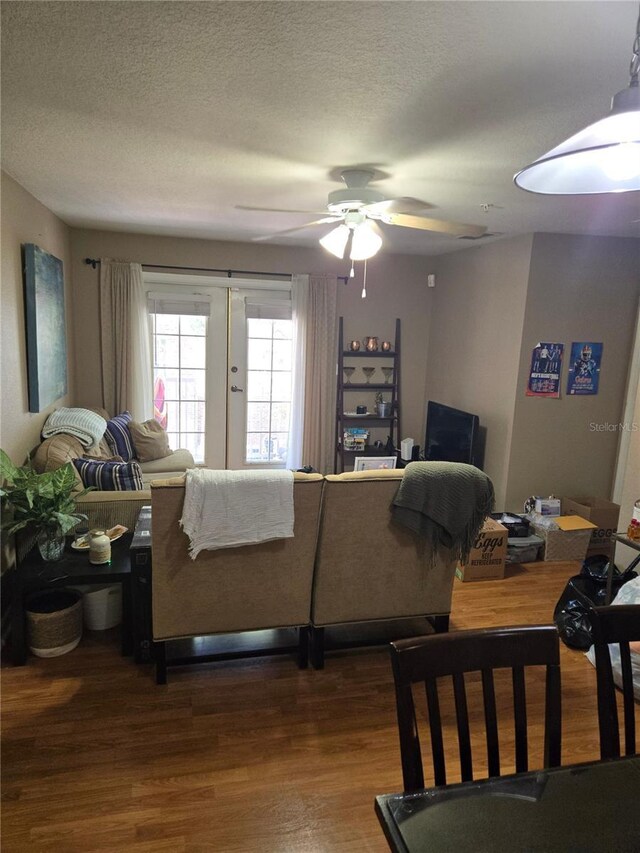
column 106, row 509
column 177, row 461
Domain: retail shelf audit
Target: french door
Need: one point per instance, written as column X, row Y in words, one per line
column 222, row 364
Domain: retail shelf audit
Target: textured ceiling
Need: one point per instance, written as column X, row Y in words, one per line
column 159, row 117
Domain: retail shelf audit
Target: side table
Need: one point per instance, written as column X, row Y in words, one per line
column 74, row 568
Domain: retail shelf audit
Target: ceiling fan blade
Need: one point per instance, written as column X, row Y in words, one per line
column 280, row 210
column 406, row 204
column 325, row 221
column 439, row 226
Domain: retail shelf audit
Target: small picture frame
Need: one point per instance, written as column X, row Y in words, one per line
column 374, row 463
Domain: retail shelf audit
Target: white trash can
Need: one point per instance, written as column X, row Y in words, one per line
column 102, row 607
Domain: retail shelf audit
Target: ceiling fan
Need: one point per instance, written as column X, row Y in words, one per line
column 356, row 211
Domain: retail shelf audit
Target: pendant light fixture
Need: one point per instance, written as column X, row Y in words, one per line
column 602, row 158
column 364, row 233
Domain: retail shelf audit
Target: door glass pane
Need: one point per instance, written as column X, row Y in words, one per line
column 173, row 416
column 258, row 417
column 281, row 388
column 167, row 323
column 280, row 417
column 191, row 417
column 259, row 328
column 179, row 369
column 167, row 349
column 269, row 364
column 192, row 384
column 192, row 324
column 259, row 354
column 255, row 443
column 258, row 385
column 192, row 351
column 282, row 329
column 194, row 442
column 279, row 445
column 282, row 355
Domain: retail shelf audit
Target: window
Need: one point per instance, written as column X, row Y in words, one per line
column 269, row 367
column 179, row 336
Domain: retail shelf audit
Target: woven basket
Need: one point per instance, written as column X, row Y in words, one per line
column 54, row 621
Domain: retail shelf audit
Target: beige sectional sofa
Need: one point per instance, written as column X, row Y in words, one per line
column 106, row 509
column 348, row 562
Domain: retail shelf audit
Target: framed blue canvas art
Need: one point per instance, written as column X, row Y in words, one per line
column 45, row 322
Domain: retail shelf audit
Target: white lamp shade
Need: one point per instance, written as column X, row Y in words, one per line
column 602, row 158
column 366, row 242
column 336, row 240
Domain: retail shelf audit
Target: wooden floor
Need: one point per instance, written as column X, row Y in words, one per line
column 242, row 756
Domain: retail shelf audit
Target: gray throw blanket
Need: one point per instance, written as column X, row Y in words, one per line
column 445, row 502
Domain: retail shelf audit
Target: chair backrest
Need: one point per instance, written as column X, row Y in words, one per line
column 618, row 624
column 424, row 659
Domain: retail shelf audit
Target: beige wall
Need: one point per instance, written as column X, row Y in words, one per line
column 580, row 289
column 25, row 220
column 475, row 339
column 396, row 287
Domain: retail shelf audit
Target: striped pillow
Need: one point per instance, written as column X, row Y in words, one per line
column 119, row 438
column 110, row 476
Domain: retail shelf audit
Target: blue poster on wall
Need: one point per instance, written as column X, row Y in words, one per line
column 584, row 368
column 544, row 374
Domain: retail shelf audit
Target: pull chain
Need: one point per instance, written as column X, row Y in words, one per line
column 364, row 281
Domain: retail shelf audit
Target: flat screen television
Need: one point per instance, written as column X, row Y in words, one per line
column 452, row 435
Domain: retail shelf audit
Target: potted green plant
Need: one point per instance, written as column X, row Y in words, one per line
column 43, row 502
column 383, row 407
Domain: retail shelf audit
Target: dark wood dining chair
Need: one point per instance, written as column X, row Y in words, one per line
column 425, row 659
column 618, row 624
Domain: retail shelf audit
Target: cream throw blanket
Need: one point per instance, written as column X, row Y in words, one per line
column 87, row 426
column 225, row 509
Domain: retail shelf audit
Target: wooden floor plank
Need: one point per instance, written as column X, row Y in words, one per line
column 244, row 756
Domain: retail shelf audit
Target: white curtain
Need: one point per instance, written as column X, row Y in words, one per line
column 318, row 447
column 299, row 310
column 127, row 371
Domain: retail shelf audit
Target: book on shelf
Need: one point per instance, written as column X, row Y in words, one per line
column 355, row 438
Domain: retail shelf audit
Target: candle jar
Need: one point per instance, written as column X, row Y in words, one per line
column 99, row 548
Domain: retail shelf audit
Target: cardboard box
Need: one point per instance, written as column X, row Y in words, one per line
column 568, row 543
column 604, row 514
column 488, row 556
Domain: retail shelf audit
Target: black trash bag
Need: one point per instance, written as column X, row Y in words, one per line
column 582, row 592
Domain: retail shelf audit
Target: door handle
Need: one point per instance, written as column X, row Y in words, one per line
column 235, row 388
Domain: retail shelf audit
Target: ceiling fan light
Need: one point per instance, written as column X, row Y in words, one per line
column 366, row 242
column 336, row 240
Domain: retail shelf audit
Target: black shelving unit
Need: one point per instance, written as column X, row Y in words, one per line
column 344, row 390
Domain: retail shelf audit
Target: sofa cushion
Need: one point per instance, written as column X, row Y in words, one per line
column 110, row 476
column 149, row 440
column 119, row 438
column 55, row 452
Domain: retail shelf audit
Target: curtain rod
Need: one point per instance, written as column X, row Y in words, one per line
column 93, row 262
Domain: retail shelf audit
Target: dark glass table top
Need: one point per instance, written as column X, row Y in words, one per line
column 585, row 808
column 75, row 566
